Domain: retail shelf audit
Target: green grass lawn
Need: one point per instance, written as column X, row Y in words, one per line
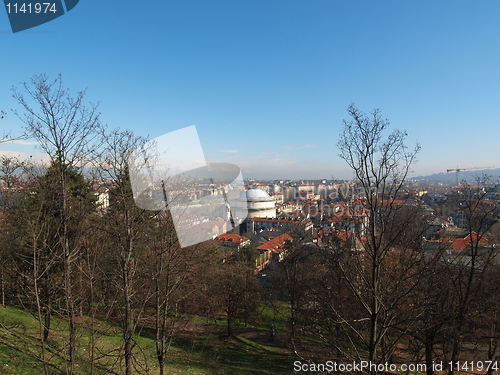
column 201, row 353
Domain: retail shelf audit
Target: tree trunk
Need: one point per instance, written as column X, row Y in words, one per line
column 373, row 344
column 127, row 295
column 229, row 327
column 47, row 320
column 70, row 306
column 429, row 348
column 38, row 306
column 160, row 318
column 64, row 239
column 128, row 334
column 3, row 286
column 91, row 270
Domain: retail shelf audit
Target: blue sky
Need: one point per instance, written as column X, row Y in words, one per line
column 267, row 83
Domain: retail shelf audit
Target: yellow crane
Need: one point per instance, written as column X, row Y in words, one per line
column 465, row 169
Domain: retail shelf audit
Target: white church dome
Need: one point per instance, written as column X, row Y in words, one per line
column 257, row 195
column 255, row 203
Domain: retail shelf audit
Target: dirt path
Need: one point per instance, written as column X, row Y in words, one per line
column 304, row 348
column 261, row 337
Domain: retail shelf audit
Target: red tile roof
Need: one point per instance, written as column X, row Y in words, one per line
column 231, row 238
column 461, row 244
column 276, row 244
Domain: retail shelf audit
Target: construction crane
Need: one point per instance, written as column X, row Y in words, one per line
column 465, row 169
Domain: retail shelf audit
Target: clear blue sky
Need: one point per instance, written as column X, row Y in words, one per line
column 267, row 83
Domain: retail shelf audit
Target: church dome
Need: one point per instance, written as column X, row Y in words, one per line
column 258, row 195
column 254, row 203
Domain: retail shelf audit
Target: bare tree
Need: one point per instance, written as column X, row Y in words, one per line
column 472, row 269
column 65, row 129
column 381, row 166
column 290, row 274
column 6, row 135
column 490, row 300
column 126, row 228
column 35, row 225
column 171, row 269
column 28, row 233
column 237, row 289
column 10, row 168
column 433, row 302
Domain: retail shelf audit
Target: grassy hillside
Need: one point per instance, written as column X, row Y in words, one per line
column 198, row 349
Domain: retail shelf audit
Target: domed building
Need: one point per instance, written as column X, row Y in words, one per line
column 258, row 203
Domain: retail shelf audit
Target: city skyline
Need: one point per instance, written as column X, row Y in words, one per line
column 268, row 84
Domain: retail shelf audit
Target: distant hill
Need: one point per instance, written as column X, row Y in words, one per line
column 465, row 175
